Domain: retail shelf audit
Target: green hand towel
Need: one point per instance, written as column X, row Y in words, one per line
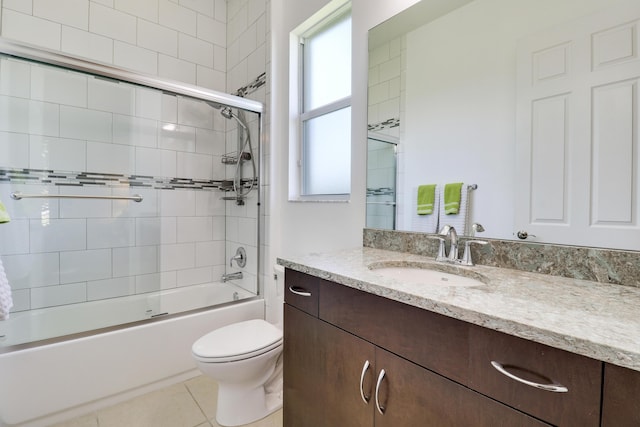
column 4, row 215
column 452, row 198
column 426, row 199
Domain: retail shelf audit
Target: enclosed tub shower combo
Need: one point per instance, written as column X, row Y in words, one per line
column 134, row 207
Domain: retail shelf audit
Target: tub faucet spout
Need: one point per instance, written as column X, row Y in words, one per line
column 231, row 276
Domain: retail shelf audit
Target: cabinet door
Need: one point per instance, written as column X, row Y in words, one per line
column 413, row 396
column 322, row 371
column 620, row 404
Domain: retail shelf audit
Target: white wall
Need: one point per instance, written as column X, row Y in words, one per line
column 316, row 227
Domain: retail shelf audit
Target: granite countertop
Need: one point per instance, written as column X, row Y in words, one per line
column 597, row 320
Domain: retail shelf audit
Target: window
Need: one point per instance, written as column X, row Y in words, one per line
column 324, row 125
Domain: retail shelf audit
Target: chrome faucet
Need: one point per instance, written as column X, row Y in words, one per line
column 450, row 232
column 231, row 276
column 240, row 258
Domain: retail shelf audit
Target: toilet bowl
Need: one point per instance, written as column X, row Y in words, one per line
column 244, row 359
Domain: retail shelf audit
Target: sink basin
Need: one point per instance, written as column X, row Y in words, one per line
column 426, row 274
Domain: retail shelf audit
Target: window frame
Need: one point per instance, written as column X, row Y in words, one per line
column 300, row 116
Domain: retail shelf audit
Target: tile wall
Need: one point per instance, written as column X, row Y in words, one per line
column 127, row 140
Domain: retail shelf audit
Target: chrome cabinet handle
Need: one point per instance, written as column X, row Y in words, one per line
column 365, row 368
column 379, row 407
column 299, row 291
column 556, row 388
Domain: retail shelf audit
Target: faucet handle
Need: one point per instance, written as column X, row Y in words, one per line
column 441, row 251
column 466, row 257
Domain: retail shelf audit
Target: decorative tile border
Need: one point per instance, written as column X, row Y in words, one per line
column 576, row 262
column 387, row 124
column 79, row 179
column 259, row 81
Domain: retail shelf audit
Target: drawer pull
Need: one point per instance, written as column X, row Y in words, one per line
column 365, row 368
column 379, row 407
column 299, row 291
column 556, row 388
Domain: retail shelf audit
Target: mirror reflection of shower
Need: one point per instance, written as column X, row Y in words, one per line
column 244, row 153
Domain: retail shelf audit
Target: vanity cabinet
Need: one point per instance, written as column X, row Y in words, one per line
column 363, row 360
column 620, row 403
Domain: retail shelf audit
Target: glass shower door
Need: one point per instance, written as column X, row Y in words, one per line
column 381, row 184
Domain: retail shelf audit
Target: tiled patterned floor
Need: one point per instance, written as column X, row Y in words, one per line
column 188, row 404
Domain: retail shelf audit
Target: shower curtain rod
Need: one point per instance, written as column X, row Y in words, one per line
column 18, row 195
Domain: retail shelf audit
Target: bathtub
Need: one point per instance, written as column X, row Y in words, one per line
column 49, row 383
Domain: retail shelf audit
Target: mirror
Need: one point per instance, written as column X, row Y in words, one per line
column 446, row 82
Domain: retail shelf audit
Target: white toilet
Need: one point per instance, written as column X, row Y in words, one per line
column 244, row 359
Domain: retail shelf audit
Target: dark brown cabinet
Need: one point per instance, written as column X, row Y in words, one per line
column 620, row 403
column 361, row 362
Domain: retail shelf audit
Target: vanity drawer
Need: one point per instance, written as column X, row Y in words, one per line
column 436, row 342
column 301, row 291
column 536, row 363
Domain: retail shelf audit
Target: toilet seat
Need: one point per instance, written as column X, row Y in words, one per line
column 237, row 341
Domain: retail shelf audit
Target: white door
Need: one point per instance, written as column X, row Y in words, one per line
column 577, row 131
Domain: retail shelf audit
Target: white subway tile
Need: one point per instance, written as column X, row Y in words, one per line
column 19, row 6
column 248, row 231
column 135, row 260
column 110, row 233
column 212, row 31
column 219, row 228
column 110, row 158
column 195, row 113
column 195, row 229
column 237, row 21
column 110, row 288
column 148, row 207
column 178, row 203
column 147, row 231
column 169, row 108
column 59, row 154
column 177, row 17
column 135, row 131
column 248, row 41
column 42, row 209
column 197, row 166
column 15, row 78
column 57, row 235
column 112, row 23
column 178, row 138
column 108, row 3
column 176, row 69
column 21, row 300
column 135, row 58
column 30, row 29
column 155, row 282
column 85, row 208
column 257, row 62
column 74, row 13
column 201, row 6
column 219, row 58
column 80, row 123
column 79, row 266
column 212, row 79
column 232, row 229
column 25, row 116
column 88, row 45
column 221, row 10
column 255, row 10
column 31, row 270
column 14, row 150
column 147, row 9
column 210, row 253
column 177, row 257
column 157, row 38
column 14, row 237
column 238, row 76
column 111, row 96
column 194, row 50
column 210, row 142
column 194, row 276
column 152, row 162
column 149, row 103
column 168, row 230
column 209, row 203
column 50, row 296
column 233, row 55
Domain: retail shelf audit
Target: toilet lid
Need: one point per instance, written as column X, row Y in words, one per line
column 237, row 339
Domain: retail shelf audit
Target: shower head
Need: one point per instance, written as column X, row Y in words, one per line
column 227, row 113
